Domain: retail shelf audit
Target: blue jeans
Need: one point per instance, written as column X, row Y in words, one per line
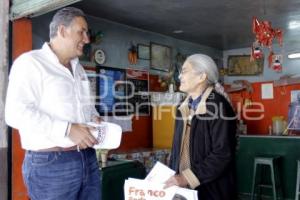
column 68, row 175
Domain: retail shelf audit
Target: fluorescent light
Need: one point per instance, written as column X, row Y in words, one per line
column 294, row 24
column 294, row 55
column 178, row 31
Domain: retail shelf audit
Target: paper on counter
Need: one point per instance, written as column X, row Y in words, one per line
column 160, row 173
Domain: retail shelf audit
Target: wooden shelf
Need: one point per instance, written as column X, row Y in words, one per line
column 87, row 63
column 286, row 81
column 235, row 89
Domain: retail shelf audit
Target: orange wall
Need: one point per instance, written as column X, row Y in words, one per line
column 22, row 42
column 141, row 135
column 272, row 107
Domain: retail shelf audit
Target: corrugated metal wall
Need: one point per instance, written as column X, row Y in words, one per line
column 25, row 8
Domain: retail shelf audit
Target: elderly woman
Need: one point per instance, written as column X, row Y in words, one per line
column 203, row 152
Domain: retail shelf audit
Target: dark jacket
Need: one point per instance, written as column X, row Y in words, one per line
column 212, row 146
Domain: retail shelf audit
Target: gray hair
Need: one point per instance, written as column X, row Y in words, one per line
column 204, row 63
column 64, row 17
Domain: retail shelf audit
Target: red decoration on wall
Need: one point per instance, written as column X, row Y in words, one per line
column 264, row 35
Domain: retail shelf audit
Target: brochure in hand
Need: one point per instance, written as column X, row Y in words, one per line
column 152, row 188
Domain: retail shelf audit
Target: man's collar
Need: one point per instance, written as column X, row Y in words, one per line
column 201, row 108
column 49, row 52
column 54, row 57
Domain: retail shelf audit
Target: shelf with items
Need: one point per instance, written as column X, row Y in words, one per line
column 287, row 80
column 87, row 63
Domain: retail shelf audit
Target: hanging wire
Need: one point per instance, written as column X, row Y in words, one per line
column 264, row 7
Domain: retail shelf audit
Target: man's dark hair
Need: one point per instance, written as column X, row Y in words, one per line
column 63, row 17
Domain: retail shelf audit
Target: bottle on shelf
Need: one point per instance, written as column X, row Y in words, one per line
column 242, row 127
column 270, row 130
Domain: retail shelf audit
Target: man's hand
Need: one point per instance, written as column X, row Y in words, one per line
column 97, row 119
column 177, row 180
column 81, row 136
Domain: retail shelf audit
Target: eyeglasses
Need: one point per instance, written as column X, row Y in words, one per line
column 182, row 72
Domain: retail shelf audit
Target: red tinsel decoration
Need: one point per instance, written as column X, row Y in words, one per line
column 265, row 34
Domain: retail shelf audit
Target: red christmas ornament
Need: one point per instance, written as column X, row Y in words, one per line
column 276, row 63
column 264, row 33
column 256, row 52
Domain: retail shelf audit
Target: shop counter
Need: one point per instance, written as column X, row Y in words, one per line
column 113, row 175
column 147, row 156
column 249, row 146
column 135, row 163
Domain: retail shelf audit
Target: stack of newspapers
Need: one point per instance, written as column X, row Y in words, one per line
column 152, row 187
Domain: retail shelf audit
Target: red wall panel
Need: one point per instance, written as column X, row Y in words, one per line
column 271, row 107
column 22, row 42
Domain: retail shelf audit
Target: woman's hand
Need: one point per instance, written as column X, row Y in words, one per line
column 178, row 180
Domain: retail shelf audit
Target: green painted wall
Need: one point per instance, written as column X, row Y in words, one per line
column 114, row 176
column 249, row 147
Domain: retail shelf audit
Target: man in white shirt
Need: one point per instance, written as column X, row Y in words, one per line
column 48, row 101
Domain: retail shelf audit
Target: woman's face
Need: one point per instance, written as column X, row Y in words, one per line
column 190, row 79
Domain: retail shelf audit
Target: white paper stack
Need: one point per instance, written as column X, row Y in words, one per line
column 160, row 173
column 152, row 188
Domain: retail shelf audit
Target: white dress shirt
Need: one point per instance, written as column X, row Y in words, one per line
column 43, row 97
